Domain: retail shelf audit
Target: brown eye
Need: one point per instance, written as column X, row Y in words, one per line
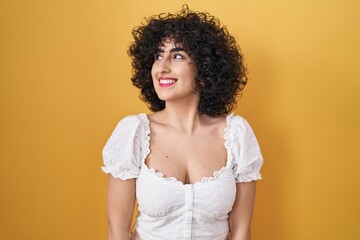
column 178, row 56
column 157, row 57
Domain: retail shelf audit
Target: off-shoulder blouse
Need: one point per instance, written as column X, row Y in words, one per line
column 169, row 209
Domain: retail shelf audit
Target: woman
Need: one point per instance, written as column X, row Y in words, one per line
column 190, row 165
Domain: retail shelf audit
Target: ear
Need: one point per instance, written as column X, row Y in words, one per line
column 201, row 85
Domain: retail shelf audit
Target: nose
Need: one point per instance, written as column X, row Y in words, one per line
column 164, row 65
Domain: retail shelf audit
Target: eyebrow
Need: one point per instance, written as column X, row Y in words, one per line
column 177, row 49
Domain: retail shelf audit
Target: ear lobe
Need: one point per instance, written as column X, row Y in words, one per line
column 199, row 86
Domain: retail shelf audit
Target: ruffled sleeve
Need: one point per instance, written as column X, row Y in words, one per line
column 246, row 154
column 122, row 152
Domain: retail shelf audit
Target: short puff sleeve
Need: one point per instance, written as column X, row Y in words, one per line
column 122, row 152
column 246, row 154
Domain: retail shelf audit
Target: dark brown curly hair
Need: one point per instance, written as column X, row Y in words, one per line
column 221, row 72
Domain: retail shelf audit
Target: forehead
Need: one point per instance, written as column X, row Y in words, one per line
column 170, row 43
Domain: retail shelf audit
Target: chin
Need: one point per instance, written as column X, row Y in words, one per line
column 164, row 98
column 164, row 95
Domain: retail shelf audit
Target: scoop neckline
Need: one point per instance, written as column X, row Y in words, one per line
column 215, row 175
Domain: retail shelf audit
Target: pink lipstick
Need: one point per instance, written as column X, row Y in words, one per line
column 166, row 81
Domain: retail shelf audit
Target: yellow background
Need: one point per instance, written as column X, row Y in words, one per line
column 65, row 83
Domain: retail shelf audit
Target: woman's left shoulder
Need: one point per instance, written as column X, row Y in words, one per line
column 213, row 120
column 237, row 122
column 245, row 149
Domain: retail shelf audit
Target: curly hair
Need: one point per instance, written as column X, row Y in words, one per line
column 221, row 71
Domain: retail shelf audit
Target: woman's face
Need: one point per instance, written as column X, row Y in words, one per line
column 173, row 72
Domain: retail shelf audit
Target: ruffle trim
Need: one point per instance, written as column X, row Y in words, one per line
column 215, row 175
column 123, row 174
column 146, row 140
column 254, row 176
column 249, row 173
column 242, row 174
column 161, row 175
column 226, row 139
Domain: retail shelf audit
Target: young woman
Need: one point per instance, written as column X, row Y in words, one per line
column 190, row 164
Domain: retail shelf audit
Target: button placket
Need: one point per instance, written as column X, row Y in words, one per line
column 189, row 202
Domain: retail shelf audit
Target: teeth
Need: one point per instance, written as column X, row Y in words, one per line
column 167, row 81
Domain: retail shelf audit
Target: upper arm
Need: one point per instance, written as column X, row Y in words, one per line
column 242, row 211
column 120, row 205
column 122, row 160
column 248, row 161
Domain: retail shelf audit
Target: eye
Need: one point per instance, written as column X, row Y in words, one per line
column 157, row 56
column 178, row 56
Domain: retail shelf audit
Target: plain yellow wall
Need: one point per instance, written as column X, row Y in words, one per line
column 65, row 83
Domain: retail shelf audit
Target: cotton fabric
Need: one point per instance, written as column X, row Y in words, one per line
column 169, row 209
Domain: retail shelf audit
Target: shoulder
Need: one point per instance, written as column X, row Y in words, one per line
column 122, row 152
column 131, row 122
column 129, row 127
column 240, row 134
column 209, row 120
column 133, row 119
column 214, row 124
column 237, row 123
column 245, row 149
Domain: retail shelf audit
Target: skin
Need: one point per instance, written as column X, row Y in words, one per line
column 177, row 146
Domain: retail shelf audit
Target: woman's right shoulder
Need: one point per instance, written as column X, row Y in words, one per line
column 122, row 152
column 132, row 120
column 131, row 124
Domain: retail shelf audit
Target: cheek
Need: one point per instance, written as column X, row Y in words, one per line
column 191, row 70
column 153, row 75
column 192, row 73
column 194, row 70
column 152, row 71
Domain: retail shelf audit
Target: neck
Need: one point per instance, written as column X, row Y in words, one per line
column 184, row 117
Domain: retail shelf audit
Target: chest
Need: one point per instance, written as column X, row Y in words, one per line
column 188, row 158
column 212, row 197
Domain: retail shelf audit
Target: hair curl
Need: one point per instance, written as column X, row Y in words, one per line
column 220, row 65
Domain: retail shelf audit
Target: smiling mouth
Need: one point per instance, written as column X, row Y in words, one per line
column 166, row 82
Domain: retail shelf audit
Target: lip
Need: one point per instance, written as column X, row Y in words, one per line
column 167, row 81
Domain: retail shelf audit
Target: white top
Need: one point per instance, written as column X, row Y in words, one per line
column 169, row 209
